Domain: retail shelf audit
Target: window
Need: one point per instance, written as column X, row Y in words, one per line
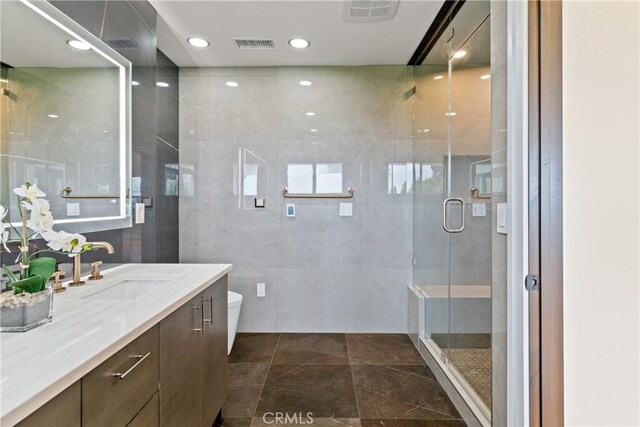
column 314, row 178
column 406, row 178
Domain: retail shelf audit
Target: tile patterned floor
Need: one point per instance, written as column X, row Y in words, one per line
column 359, row 380
column 475, row 366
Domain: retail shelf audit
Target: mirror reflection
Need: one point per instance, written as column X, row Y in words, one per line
column 64, row 116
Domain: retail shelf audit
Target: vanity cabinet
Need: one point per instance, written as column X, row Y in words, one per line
column 214, row 351
column 114, row 392
column 193, row 360
column 181, row 389
column 148, row 415
column 61, row 411
column 174, row 374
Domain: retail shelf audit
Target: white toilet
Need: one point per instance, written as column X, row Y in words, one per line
column 233, row 307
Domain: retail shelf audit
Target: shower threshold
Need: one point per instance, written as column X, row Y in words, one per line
column 475, row 403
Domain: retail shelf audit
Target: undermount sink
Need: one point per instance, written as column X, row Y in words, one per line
column 131, row 288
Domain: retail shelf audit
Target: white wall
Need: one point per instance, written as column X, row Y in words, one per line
column 601, row 46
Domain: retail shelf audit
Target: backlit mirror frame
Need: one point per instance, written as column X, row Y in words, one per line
column 69, row 26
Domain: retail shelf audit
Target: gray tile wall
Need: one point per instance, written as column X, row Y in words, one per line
column 323, row 272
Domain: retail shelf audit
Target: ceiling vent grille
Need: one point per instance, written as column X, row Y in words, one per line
column 370, row 10
column 122, row 43
column 246, row 43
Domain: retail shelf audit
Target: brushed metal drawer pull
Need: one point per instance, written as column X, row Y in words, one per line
column 135, row 365
column 210, row 319
column 202, row 319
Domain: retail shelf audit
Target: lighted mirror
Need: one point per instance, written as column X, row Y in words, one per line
column 65, row 118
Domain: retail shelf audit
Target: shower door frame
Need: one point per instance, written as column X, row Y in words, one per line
column 546, row 370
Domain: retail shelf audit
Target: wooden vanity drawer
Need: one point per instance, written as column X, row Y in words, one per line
column 149, row 416
column 114, row 392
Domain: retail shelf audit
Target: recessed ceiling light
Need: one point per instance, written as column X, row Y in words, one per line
column 105, row 131
column 311, row 113
column 485, row 77
column 313, row 130
column 80, row 45
column 459, row 54
column 451, row 114
column 298, row 43
column 426, row 130
column 162, row 84
column 52, row 116
column 305, row 83
column 198, row 42
column 134, row 83
column 232, row 84
column 438, row 78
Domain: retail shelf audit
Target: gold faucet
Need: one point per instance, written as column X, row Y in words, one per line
column 76, row 260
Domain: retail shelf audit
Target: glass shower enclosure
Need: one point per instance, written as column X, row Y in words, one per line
column 460, row 191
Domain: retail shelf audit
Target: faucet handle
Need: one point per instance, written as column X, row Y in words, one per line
column 57, row 284
column 95, row 271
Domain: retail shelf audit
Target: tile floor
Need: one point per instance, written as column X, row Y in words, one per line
column 360, row 380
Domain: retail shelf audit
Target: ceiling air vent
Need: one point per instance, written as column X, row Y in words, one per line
column 255, row 43
column 122, row 43
column 370, row 10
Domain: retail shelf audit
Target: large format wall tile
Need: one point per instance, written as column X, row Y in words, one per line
column 324, row 272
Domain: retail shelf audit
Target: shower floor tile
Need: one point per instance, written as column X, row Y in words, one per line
column 475, row 366
column 343, row 380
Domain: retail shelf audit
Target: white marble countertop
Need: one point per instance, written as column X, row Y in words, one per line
column 90, row 324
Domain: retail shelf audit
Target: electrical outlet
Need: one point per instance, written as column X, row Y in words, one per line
column 261, row 290
column 346, row 209
column 73, row 209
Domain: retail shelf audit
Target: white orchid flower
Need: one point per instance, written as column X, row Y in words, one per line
column 29, row 191
column 4, row 233
column 41, row 219
column 65, row 242
column 77, row 243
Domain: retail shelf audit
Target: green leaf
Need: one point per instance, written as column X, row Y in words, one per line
column 12, row 277
column 30, row 284
column 42, row 267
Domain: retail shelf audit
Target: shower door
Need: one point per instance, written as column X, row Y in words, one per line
column 460, row 252
column 467, row 215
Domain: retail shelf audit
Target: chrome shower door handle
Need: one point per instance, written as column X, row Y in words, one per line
column 445, row 216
